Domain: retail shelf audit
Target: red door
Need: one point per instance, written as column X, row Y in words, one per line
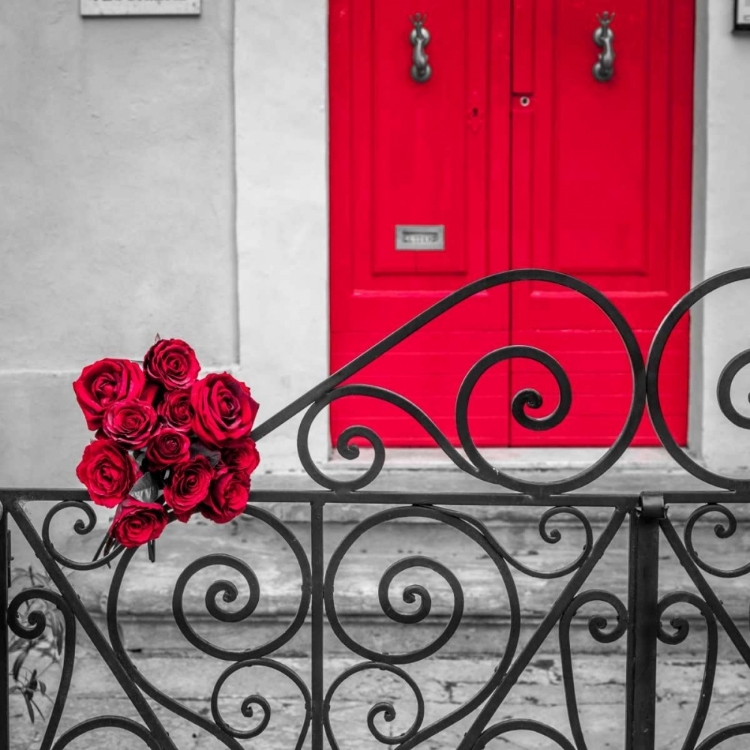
column 526, row 160
column 601, row 190
column 408, row 154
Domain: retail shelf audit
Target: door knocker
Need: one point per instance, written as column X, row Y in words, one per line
column 604, row 37
column 421, row 71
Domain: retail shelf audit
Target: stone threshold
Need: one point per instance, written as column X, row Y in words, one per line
column 476, row 635
column 521, row 459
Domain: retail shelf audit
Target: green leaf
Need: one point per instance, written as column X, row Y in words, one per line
column 145, row 489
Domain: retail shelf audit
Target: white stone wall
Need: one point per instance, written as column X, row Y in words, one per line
column 282, row 210
column 723, row 185
column 116, row 208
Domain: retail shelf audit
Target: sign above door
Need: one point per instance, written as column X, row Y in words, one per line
column 94, row 8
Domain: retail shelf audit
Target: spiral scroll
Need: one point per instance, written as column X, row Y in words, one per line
column 723, row 386
column 350, row 451
column 37, row 624
column 550, row 536
column 229, row 593
column 524, row 401
column 418, row 592
column 81, row 527
column 258, row 701
column 721, row 531
column 385, row 709
column 413, row 591
column 598, row 625
column 682, row 629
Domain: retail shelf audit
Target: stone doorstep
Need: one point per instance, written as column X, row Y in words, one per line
column 522, row 460
column 481, row 638
column 444, row 476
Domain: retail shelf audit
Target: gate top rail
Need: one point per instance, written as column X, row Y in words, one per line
column 602, row 499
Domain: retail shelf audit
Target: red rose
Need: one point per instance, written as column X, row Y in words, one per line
column 136, row 523
column 241, row 456
column 229, row 494
column 107, row 471
column 167, row 447
column 129, row 422
column 188, row 486
column 172, row 363
column 176, row 410
column 224, row 411
column 104, row 383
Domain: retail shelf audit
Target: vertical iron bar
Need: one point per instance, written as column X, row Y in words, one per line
column 316, row 547
column 643, row 627
column 4, row 663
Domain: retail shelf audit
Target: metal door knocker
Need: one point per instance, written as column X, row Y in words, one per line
column 421, row 71
column 604, row 37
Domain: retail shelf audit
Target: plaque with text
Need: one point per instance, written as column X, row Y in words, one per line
column 420, row 237
column 140, row 7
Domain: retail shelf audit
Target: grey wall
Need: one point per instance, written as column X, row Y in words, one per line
column 116, row 207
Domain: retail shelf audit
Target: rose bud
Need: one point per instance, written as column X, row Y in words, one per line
column 136, row 523
column 129, row 422
column 172, row 363
column 107, row 471
column 105, row 382
column 167, row 447
column 230, row 491
column 188, row 486
column 223, row 409
column 241, row 456
column 175, row 410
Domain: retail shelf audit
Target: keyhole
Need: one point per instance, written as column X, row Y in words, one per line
column 525, row 101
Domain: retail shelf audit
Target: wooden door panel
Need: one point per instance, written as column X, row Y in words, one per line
column 601, row 191
column 407, row 153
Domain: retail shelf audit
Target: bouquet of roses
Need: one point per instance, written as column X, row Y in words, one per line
column 168, row 444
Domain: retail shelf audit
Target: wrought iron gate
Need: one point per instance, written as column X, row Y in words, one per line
column 635, row 618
